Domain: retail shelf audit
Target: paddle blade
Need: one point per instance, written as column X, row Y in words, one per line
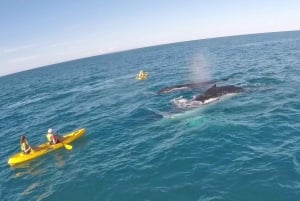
column 68, row 147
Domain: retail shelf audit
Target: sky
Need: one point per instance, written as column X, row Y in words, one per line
column 35, row 33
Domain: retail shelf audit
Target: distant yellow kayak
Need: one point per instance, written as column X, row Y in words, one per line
column 142, row 75
column 42, row 149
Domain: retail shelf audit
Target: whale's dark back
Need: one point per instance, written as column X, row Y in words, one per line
column 215, row 92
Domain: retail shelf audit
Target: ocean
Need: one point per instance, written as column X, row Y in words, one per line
column 145, row 146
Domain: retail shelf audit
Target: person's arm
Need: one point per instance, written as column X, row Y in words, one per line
column 29, row 147
column 26, row 150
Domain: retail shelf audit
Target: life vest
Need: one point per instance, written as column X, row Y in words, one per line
column 51, row 138
column 24, row 147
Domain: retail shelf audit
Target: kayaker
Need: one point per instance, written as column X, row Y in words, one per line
column 24, row 145
column 52, row 138
column 141, row 73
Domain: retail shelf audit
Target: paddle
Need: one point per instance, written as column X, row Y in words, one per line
column 67, row 146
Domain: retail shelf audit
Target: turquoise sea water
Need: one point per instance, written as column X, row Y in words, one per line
column 140, row 146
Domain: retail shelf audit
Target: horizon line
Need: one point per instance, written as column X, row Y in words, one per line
column 137, row 48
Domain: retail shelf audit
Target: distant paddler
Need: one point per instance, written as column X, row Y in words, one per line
column 142, row 75
column 25, row 147
column 52, row 138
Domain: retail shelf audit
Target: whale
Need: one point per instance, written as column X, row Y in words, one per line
column 212, row 94
column 188, row 86
column 215, row 92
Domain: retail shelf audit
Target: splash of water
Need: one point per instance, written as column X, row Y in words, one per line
column 199, row 69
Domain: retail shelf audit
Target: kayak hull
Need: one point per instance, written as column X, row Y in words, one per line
column 45, row 148
column 141, row 77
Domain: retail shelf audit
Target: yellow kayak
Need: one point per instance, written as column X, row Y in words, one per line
column 45, row 148
column 142, row 77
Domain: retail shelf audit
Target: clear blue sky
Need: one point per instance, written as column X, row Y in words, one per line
column 35, row 33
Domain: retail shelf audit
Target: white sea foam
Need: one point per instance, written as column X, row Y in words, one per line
column 184, row 103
